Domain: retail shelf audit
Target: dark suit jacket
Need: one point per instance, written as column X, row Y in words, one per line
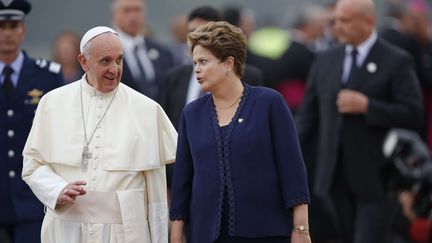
column 260, row 158
column 175, row 87
column 16, row 117
column 161, row 65
column 293, row 68
column 394, row 101
column 407, row 43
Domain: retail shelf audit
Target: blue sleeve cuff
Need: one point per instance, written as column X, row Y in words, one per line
column 297, row 201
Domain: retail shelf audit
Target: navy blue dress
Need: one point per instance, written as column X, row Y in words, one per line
column 255, row 166
column 224, row 237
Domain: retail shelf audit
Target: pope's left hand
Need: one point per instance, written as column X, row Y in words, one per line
column 351, row 102
column 300, row 237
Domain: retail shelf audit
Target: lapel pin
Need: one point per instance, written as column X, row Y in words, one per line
column 240, row 120
column 371, row 67
column 153, row 54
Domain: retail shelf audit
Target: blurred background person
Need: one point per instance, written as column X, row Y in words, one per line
column 294, row 64
column 65, row 51
column 421, row 12
column 179, row 49
column 398, row 29
column 243, row 18
column 146, row 60
column 355, row 94
column 407, row 26
column 23, row 82
column 329, row 39
column 227, row 139
column 180, row 85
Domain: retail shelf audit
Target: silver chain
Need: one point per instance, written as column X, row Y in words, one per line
column 87, row 142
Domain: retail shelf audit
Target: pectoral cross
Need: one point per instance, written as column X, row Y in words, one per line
column 85, row 156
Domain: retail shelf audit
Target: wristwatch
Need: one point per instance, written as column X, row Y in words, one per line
column 301, row 229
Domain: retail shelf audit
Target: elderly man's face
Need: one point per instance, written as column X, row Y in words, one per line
column 11, row 36
column 104, row 64
column 128, row 15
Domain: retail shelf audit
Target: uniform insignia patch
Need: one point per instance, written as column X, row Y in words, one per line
column 41, row 63
column 36, row 95
column 54, row 67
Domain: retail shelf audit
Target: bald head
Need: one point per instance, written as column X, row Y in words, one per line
column 354, row 21
column 365, row 8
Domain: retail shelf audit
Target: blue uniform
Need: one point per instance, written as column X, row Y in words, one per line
column 18, row 204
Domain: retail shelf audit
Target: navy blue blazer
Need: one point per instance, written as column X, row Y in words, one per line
column 36, row 78
column 259, row 159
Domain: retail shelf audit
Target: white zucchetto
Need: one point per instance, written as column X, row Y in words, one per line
column 92, row 33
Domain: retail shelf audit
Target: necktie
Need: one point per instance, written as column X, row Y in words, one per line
column 354, row 68
column 7, row 81
column 139, row 63
column 148, row 85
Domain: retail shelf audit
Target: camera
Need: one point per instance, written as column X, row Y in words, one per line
column 409, row 154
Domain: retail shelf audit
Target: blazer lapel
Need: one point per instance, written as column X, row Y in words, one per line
column 367, row 69
column 336, row 75
column 2, row 94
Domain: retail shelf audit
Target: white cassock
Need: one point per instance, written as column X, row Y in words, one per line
column 126, row 198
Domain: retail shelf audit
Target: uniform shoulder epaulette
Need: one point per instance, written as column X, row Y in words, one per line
column 53, row 67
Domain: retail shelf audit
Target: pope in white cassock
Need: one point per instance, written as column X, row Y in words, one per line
column 96, row 154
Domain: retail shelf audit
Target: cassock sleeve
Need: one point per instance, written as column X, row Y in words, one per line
column 167, row 138
column 289, row 160
column 37, row 173
column 156, row 180
column 157, row 204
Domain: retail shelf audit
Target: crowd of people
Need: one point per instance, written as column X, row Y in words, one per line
column 280, row 131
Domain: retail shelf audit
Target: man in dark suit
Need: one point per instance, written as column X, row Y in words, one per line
column 398, row 29
column 23, row 81
column 146, row 61
column 351, row 108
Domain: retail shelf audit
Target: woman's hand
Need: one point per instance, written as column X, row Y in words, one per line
column 300, row 237
column 177, row 228
column 300, row 233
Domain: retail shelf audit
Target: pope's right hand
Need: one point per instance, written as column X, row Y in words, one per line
column 71, row 191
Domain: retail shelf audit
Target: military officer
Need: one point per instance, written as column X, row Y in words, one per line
column 23, row 81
